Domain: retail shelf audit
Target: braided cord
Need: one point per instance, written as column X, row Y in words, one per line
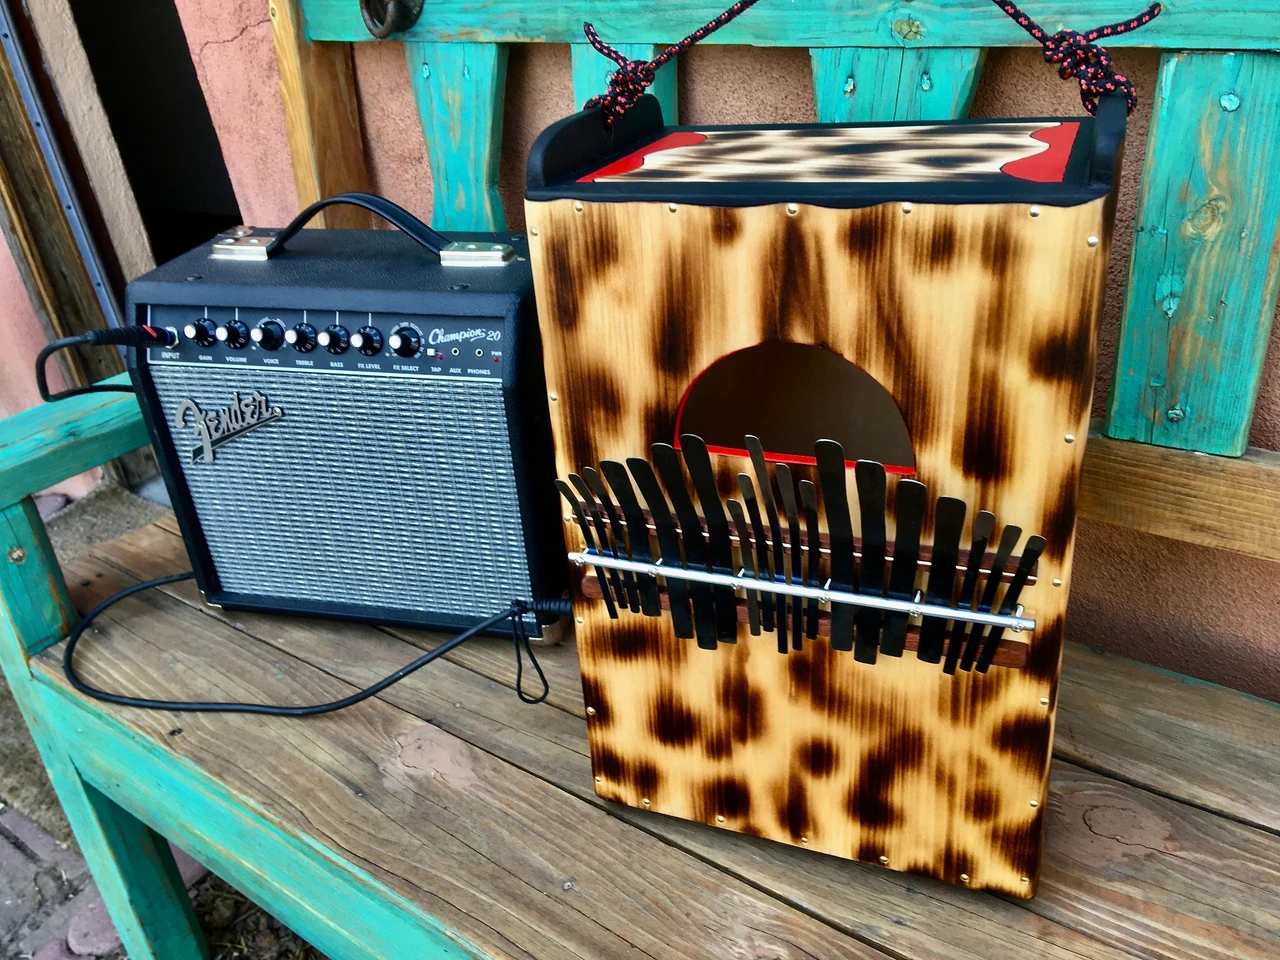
column 627, row 84
column 1078, row 54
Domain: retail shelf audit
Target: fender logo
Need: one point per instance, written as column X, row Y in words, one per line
column 222, row 426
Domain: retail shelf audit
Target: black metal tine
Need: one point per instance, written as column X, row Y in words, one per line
column 668, row 544
column 606, row 547
column 668, row 462
column 756, row 450
column 1030, row 556
column 581, row 515
column 621, row 540
column 637, row 533
column 787, row 490
column 748, row 564
column 698, row 460
column 984, row 524
column 871, row 507
column 762, row 548
column 842, row 567
column 948, row 527
column 911, row 500
column 1008, row 541
column 809, row 501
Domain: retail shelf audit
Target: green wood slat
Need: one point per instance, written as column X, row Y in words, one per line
column 46, row 444
column 591, row 73
column 133, row 868
column 340, row 909
column 1194, row 24
column 854, row 85
column 1204, row 274
column 460, row 90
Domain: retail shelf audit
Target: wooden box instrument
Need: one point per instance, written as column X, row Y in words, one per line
column 820, row 397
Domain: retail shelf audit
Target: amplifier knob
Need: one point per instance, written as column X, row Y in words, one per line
column 203, row 332
column 233, row 333
column 404, row 342
column 334, row 339
column 368, row 340
column 301, row 337
column 268, row 335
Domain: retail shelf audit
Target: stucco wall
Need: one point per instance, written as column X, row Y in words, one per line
column 1205, row 612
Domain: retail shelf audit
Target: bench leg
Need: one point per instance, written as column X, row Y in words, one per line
column 131, row 864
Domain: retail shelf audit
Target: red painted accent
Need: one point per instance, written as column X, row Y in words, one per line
column 1050, row 165
column 635, row 160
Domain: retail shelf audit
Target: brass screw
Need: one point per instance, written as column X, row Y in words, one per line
column 645, row 801
column 1044, row 701
column 553, row 397
column 1057, row 582
column 577, row 207
column 884, row 859
column 964, row 878
column 1070, row 437
column 1034, row 211
column 1026, row 879
column 533, row 231
column 792, row 209
column 720, row 818
column 906, row 208
column 591, row 711
column 17, row 555
column 599, row 779
column 1035, row 803
column 1092, row 241
column 672, row 207
column 580, row 620
column 804, row 839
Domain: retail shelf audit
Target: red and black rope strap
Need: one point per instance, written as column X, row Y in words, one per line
column 1078, row 54
column 628, row 83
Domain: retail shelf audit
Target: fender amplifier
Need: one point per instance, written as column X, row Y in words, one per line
column 355, row 428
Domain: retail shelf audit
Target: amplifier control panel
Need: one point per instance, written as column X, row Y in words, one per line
column 344, row 341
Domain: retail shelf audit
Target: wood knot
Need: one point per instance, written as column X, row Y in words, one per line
column 908, row 29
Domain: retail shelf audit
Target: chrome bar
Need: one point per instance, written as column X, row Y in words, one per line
column 912, row 608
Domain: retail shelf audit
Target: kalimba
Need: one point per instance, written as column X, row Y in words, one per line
column 820, row 396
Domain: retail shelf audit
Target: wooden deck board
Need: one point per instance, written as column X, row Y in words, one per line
column 516, row 865
column 1127, row 871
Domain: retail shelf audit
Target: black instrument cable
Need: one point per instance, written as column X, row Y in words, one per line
column 520, row 638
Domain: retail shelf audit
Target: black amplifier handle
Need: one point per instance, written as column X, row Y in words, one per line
column 393, row 213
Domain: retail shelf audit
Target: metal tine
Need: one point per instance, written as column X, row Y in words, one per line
column 585, row 527
column 787, row 490
column 871, row 507
column 637, row 533
column 809, row 501
column 670, row 468
column 762, row 548
column 748, row 564
column 948, row 527
column 756, row 450
column 984, row 524
column 1030, row 555
column 668, row 543
column 606, row 547
column 621, row 546
column 911, row 500
column 1008, row 541
column 842, row 567
column 698, row 460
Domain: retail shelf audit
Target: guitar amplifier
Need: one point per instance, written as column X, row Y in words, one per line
column 355, row 429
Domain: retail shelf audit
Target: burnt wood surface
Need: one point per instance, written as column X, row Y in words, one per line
column 1162, row 825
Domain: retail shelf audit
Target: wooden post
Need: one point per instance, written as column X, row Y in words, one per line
column 322, row 117
column 591, row 73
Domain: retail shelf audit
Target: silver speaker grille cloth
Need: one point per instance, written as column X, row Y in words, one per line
column 390, row 491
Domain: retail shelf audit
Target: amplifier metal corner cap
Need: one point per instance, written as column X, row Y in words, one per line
column 242, row 243
column 465, row 253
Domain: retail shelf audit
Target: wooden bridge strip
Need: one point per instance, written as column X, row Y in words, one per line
column 858, row 84
column 1167, row 897
column 483, row 846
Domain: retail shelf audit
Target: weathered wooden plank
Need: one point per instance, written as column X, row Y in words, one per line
column 137, row 877
column 49, row 443
column 852, row 84
column 1204, row 272
column 508, row 862
column 322, row 118
column 1142, row 893
column 591, row 72
column 460, row 89
column 1224, row 502
column 1193, row 24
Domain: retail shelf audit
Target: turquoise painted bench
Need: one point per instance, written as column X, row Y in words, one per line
column 444, row 819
